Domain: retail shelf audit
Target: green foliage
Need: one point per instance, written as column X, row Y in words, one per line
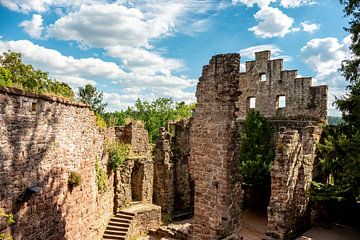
column 339, row 152
column 100, row 121
column 74, row 179
column 118, row 152
column 6, row 219
column 154, row 114
column 100, row 177
column 339, row 155
column 320, row 192
column 256, row 150
column 13, row 72
column 91, row 96
column 5, row 77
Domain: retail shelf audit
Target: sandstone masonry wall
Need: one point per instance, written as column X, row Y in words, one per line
column 173, row 187
column 291, row 175
column 303, row 101
column 213, row 167
column 43, row 139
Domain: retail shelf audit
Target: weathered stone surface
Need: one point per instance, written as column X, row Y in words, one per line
column 173, row 187
column 163, row 173
column 134, row 182
column 134, row 134
column 291, row 175
column 147, row 216
column 42, row 140
column 212, row 146
column 303, row 101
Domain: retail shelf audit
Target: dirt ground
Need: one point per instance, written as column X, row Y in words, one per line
column 254, row 224
column 337, row 232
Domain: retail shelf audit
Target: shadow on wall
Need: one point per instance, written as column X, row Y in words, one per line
column 30, row 157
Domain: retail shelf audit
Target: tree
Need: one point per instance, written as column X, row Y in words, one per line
column 154, row 114
column 256, row 150
column 339, row 152
column 91, row 96
column 13, row 72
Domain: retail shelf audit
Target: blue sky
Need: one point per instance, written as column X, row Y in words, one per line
column 156, row 48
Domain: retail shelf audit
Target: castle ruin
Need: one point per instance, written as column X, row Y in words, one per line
column 192, row 171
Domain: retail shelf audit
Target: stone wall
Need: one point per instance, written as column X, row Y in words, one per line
column 183, row 184
column 42, row 140
column 134, row 182
column 134, row 134
column 213, row 144
column 147, row 216
column 291, row 175
column 163, row 173
column 303, row 101
column 173, row 187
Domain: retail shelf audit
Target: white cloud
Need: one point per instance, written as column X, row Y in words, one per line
column 27, row 6
column 143, row 61
column 309, row 27
column 324, row 56
column 276, row 52
column 272, row 23
column 80, row 71
column 105, row 25
column 251, row 3
column 34, row 26
column 296, row 3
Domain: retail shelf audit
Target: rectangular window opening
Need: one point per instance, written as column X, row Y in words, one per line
column 263, row 77
column 281, row 101
column 252, row 102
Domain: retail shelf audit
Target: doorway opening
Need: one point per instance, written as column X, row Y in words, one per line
column 137, row 176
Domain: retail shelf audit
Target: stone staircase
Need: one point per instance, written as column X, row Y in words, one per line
column 118, row 226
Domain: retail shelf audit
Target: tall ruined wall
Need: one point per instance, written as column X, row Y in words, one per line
column 183, row 184
column 163, row 173
column 291, row 175
column 302, row 100
column 43, row 139
column 173, row 186
column 212, row 145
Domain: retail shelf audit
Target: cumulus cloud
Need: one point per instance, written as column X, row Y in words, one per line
column 309, row 27
column 296, row 3
column 80, row 71
column 34, row 26
column 272, row 23
column 144, row 61
column 324, row 57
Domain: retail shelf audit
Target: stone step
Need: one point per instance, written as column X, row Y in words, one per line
column 120, row 220
column 116, row 232
column 127, row 213
column 117, row 228
column 118, row 224
column 123, row 216
column 115, row 237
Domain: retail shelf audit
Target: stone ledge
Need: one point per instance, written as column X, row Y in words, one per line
column 19, row 92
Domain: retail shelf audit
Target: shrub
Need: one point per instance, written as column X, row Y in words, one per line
column 100, row 122
column 74, row 179
column 118, row 152
column 100, row 177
